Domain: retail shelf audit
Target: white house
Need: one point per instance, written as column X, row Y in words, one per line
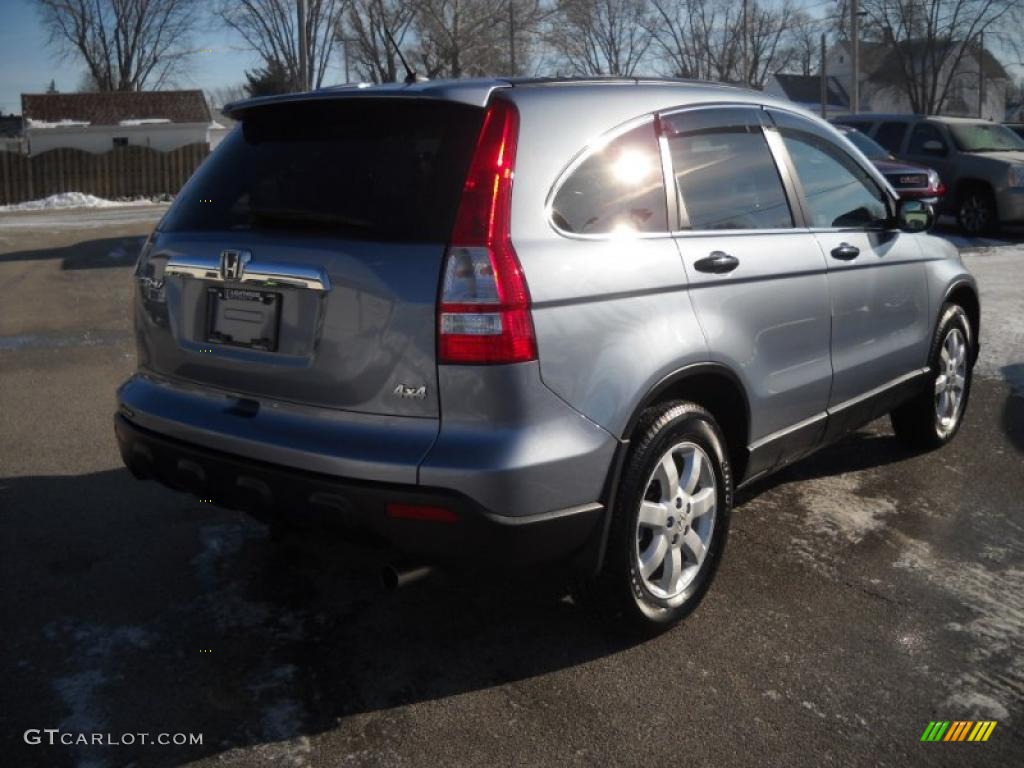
column 882, row 78
column 98, row 122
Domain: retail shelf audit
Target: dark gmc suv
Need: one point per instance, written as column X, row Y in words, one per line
column 981, row 163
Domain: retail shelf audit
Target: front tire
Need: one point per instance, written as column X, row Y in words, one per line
column 934, row 416
column 670, row 521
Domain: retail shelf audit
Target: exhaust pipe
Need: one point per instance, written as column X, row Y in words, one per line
column 395, row 575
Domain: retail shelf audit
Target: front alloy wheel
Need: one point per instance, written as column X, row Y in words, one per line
column 951, row 380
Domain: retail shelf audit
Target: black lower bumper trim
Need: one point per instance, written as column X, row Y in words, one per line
column 271, row 492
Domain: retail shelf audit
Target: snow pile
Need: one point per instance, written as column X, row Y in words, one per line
column 145, row 121
column 72, row 200
column 59, row 124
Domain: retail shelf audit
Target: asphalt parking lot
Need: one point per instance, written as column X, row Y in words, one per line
column 865, row 592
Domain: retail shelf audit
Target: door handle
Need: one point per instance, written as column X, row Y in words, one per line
column 845, row 252
column 718, row 263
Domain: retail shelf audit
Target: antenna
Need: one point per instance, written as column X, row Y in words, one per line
column 410, row 73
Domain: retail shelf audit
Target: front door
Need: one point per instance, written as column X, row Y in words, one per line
column 876, row 277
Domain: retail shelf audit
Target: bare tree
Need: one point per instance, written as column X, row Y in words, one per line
column 460, row 37
column 364, row 32
column 126, row 45
column 929, row 41
column 601, row 37
column 707, row 39
column 270, row 28
column 803, row 43
column 697, row 38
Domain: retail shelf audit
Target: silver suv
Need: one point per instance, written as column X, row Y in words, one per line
column 525, row 322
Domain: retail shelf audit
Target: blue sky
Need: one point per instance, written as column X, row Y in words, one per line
column 27, row 63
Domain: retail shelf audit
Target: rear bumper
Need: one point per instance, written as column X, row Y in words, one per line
column 358, row 507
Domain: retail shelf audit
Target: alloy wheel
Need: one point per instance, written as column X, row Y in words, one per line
column 951, row 380
column 676, row 520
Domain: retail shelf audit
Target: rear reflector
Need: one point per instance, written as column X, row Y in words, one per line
column 418, row 512
column 484, row 311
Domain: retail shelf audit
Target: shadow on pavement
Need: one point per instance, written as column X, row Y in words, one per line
column 132, row 609
column 1013, row 408
column 87, row 254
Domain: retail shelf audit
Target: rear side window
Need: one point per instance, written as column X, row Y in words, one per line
column 890, row 135
column 618, row 188
column 362, row 168
column 725, row 171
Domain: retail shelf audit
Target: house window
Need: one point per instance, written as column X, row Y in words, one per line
column 120, row 141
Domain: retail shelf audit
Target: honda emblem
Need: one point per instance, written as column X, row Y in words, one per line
column 232, row 264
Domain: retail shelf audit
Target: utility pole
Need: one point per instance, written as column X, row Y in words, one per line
column 512, row 37
column 303, row 63
column 746, row 63
column 981, row 76
column 855, row 57
column 824, row 80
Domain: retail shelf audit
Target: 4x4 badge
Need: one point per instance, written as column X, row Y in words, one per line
column 232, row 264
column 415, row 393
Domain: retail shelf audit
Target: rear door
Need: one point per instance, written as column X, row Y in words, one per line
column 876, row 276
column 302, row 261
column 757, row 282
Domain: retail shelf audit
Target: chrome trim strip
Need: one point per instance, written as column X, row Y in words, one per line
column 786, row 431
column 878, row 390
column 760, row 443
column 257, row 274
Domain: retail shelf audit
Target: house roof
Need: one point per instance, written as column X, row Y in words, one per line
column 116, row 107
column 806, row 89
column 881, row 61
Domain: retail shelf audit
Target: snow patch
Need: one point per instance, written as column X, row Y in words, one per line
column 835, row 509
column 144, row 121
column 66, row 123
column 996, row 632
column 72, row 200
column 976, row 706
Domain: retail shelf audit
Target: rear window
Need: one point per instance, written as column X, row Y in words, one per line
column 375, row 169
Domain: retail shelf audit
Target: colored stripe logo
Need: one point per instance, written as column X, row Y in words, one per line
column 958, row 730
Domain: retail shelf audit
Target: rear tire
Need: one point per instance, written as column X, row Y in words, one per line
column 669, row 522
column 976, row 211
column 934, row 416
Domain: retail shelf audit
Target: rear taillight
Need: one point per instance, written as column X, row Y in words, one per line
column 935, row 185
column 484, row 310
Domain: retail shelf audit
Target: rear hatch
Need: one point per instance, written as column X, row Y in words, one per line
column 302, row 261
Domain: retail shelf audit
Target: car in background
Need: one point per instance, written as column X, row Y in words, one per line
column 910, row 180
column 982, row 163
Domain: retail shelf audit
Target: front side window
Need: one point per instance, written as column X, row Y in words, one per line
column 926, row 140
column 724, row 170
column 838, row 191
column 618, row 189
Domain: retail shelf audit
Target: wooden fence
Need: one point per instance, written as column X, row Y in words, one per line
column 121, row 172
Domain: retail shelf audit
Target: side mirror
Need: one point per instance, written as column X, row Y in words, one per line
column 914, row 216
column 933, row 147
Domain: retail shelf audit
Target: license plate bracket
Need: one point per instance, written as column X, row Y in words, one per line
column 242, row 317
